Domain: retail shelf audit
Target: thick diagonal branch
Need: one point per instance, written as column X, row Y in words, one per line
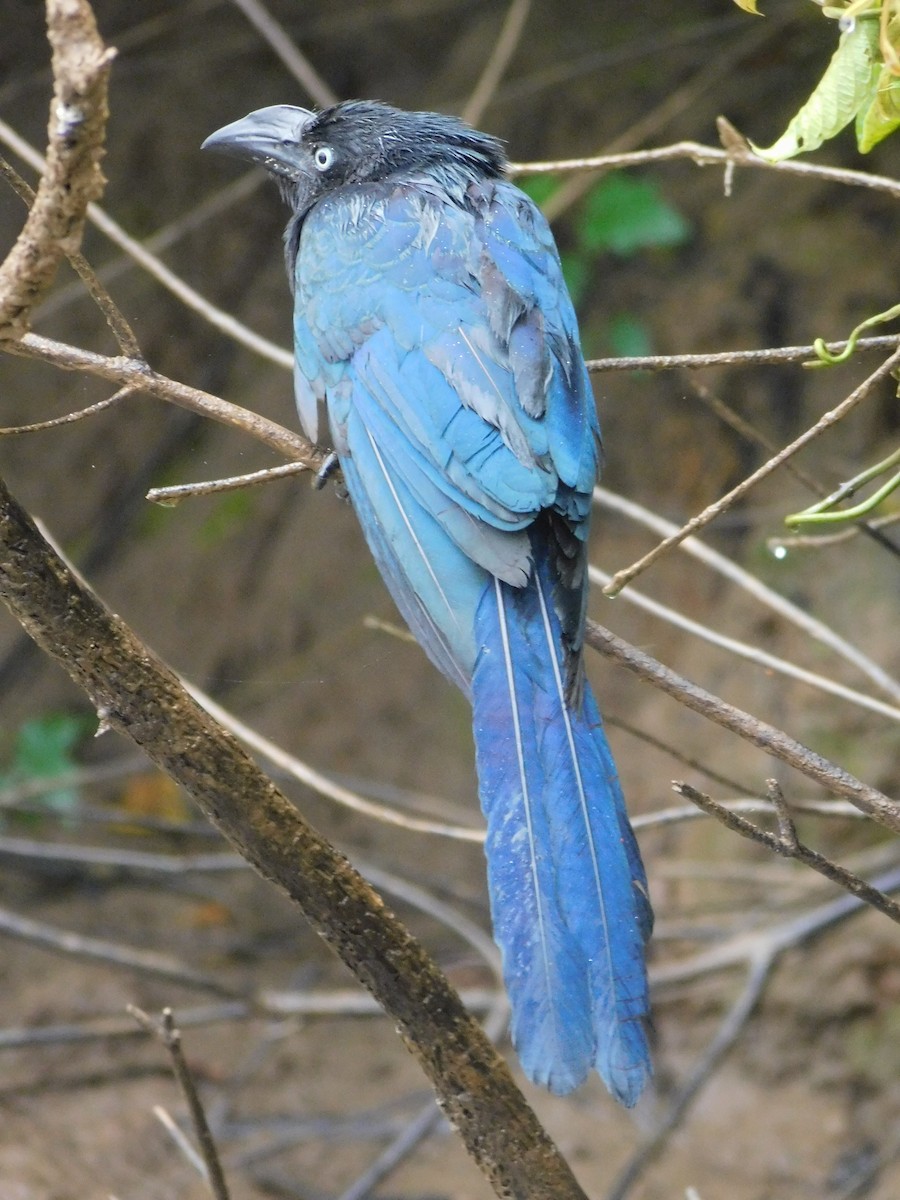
column 138, row 695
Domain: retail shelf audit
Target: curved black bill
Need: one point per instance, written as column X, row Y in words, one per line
column 268, row 136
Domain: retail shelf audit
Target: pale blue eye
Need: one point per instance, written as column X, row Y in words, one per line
column 323, row 158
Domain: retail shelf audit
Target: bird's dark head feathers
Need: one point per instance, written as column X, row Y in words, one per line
column 355, row 142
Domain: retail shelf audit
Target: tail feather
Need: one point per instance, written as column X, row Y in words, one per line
column 568, row 891
column 544, row 967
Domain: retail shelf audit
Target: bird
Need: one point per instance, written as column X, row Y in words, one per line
column 432, row 319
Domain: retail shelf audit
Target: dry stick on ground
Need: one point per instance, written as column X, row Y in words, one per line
column 136, row 694
column 170, row 1036
column 868, row 799
column 150, row 962
column 759, row 950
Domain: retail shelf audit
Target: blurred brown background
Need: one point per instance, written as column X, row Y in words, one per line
column 261, row 597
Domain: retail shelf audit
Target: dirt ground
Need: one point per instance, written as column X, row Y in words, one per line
column 263, row 600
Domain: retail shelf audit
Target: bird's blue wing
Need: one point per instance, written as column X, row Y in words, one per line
column 449, row 326
column 437, row 326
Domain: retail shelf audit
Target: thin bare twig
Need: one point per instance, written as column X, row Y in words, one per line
column 676, row 753
column 715, row 67
column 839, row 810
column 836, row 780
column 168, row 1033
column 788, row 845
column 181, row 1140
column 64, row 941
column 169, row 497
column 754, row 587
column 306, row 774
column 860, row 393
column 116, row 320
column 154, row 267
column 288, row 51
column 90, row 411
column 705, row 156
column 495, row 67
column 165, row 237
column 749, row 432
column 728, row 358
column 72, row 176
column 139, row 375
column 420, row 1127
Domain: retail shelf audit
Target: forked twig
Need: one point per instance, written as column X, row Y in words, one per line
column 759, row 950
column 137, row 374
column 116, row 320
column 788, row 845
column 168, row 1033
column 705, row 156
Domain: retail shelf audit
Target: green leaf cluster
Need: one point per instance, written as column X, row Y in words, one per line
column 861, row 82
column 44, row 748
column 620, row 215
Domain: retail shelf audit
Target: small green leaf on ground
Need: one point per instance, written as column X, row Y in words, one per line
column 43, row 748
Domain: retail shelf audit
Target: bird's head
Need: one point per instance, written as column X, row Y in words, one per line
column 357, row 141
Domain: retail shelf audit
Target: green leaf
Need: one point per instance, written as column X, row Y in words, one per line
column 230, row 511
column 881, row 115
column 628, row 336
column 841, row 92
column 748, row 6
column 539, row 187
column 625, row 215
column 44, row 748
column 575, row 269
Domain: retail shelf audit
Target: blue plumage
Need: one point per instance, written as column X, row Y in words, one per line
column 432, row 319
